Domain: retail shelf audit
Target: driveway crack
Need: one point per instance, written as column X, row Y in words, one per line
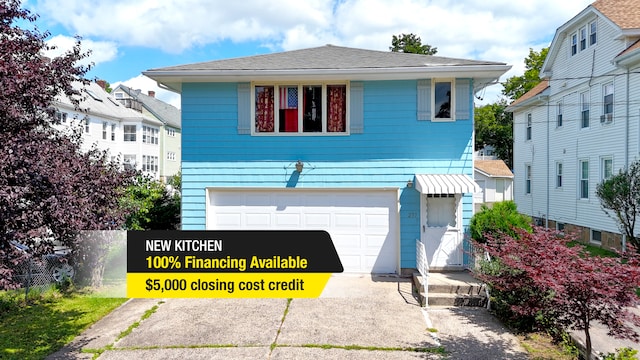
column 274, row 344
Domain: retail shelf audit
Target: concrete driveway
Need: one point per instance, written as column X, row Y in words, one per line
column 357, row 317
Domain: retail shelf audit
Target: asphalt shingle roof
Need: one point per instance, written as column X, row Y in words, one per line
column 495, row 168
column 328, row 57
column 166, row 113
column 542, row 86
column 624, row 13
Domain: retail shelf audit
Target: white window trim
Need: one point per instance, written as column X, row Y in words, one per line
column 573, row 37
column 300, row 84
column 452, row 106
column 559, row 114
column 559, row 166
column 591, row 240
column 528, row 127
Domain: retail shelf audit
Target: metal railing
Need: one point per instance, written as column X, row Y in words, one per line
column 423, row 268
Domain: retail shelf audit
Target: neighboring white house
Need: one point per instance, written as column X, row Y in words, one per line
column 170, row 131
column 581, row 124
column 130, row 137
column 496, row 181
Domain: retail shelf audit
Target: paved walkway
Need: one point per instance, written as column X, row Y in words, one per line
column 357, row 317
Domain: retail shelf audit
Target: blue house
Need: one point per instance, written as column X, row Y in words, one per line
column 375, row 147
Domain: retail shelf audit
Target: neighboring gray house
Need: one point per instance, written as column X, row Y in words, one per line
column 580, row 125
column 170, row 131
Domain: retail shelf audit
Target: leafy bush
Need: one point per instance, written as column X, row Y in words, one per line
column 502, row 218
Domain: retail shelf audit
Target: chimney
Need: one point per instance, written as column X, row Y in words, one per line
column 152, row 93
column 103, row 84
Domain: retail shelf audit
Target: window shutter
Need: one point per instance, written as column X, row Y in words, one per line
column 463, row 99
column 424, row 99
column 244, row 108
column 356, row 112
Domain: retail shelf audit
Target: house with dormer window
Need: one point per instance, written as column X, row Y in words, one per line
column 374, row 147
column 129, row 137
column 580, row 125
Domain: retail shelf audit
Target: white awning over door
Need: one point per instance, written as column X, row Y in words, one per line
column 446, row 184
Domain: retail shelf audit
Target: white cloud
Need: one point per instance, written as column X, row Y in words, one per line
column 495, row 30
column 146, row 84
column 101, row 51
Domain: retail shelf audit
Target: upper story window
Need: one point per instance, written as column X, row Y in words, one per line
column 584, row 109
column 607, row 99
column 105, row 127
column 558, row 174
column 87, row 127
column 528, row 131
column 318, row 108
column 583, row 38
column 119, row 95
column 113, row 132
column 559, row 114
column 149, row 135
column 171, row 132
column 442, row 91
column 129, row 132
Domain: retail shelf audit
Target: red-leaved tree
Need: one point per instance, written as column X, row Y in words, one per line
column 575, row 288
column 49, row 189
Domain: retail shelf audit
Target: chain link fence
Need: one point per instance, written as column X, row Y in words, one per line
column 42, row 272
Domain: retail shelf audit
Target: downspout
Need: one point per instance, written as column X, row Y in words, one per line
column 546, row 216
column 626, row 144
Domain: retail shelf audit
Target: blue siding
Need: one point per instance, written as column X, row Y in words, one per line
column 392, row 148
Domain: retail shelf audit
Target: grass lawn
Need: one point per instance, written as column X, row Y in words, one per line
column 48, row 321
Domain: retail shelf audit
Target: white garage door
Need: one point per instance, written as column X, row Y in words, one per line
column 362, row 224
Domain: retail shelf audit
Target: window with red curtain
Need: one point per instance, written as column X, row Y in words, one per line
column 336, row 108
column 264, row 109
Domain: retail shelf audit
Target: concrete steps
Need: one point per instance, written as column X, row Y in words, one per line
column 450, row 289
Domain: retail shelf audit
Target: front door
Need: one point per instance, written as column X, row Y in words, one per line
column 441, row 230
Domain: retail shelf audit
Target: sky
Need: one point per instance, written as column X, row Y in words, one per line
column 128, row 37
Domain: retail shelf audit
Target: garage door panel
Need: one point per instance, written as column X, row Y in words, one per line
column 317, row 220
column 362, row 224
column 350, row 221
column 291, row 221
column 233, row 220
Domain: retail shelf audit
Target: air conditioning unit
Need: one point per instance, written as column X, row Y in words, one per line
column 606, row 118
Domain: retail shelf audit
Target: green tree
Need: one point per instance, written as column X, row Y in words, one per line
column 411, row 43
column 50, row 190
column 516, row 86
column 494, row 127
column 620, row 199
column 150, row 205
